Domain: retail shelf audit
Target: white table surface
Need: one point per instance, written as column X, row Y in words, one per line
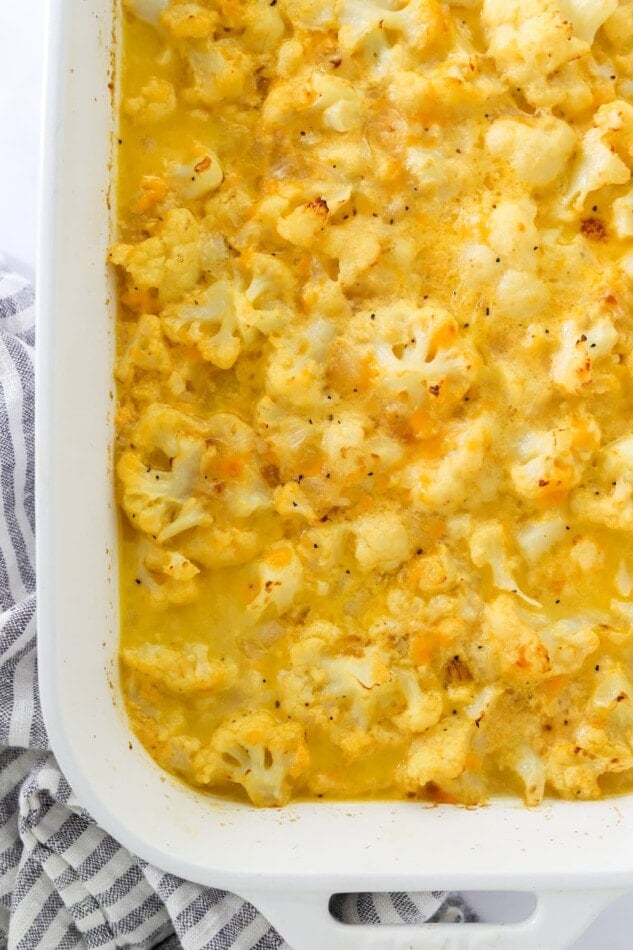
column 21, row 54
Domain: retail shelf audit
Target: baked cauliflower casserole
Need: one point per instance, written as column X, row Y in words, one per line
column 374, row 430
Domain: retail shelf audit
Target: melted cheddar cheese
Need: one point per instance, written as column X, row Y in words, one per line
column 374, row 434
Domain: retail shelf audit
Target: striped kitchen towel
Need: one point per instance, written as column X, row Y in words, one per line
column 64, row 882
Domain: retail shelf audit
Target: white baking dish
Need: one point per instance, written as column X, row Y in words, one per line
column 577, row 856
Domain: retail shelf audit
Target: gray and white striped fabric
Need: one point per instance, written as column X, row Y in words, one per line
column 64, row 882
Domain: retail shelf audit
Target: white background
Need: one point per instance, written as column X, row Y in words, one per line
column 21, row 58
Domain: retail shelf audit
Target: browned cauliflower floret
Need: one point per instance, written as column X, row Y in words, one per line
column 266, row 757
column 320, row 97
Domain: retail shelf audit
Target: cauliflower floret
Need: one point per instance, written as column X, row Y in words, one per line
column 623, row 580
column 517, row 644
column 431, row 170
column 208, row 320
column 296, row 367
column 615, row 119
column 323, row 547
column 198, row 178
column 348, row 691
column 488, row 547
column 161, row 501
column 537, row 537
column 622, row 210
column 231, row 466
column 587, row 16
column 445, row 480
column 144, row 349
column 537, row 147
column 147, row 10
column 382, row 541
column 512, row 233
column 313, row 15
column 440, row 753
column 219, row 546
column 184, row 671
column 302, row 225
column 419, row 352
column 342, row 443
column 618, row 458
column 220, row 71
column 415, row 23
column 612, row 687
column 266, row 757
column 554, row 461
column 169, row 261
column 521, row 295
column 596, row 164
column 155, row 102
column 424, row 706
column 619, row 27
column 270, row 294
column 613, row 504
column 289, row 438
column 478, row 264
column 530, row 40
column 263, row 25
column 587, row 554
column 278, row 580
column 568, row 643
column 530, row 768
column 230, row 313
column 181, row 470
column 190, row 21
column 574, row 767
column 332, row 101
column 356, row 245
column 536, row 52
column 573, row 366
column 169, row 576
column 322, row 493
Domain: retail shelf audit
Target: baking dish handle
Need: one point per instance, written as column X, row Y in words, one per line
column 558, row 919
